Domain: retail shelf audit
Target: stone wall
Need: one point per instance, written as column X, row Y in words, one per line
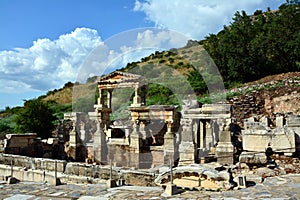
column 41, row 170
column 23, row 174
column 278, row 94
column 33, row 163
column 90, row 170
column 247, row 105
column 144, row 158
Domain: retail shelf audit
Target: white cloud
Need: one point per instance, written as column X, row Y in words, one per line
column 75, row 56
column 127, row 47
column 11, row 86
column 160, row 38
column 197, row 18
column 46, row 64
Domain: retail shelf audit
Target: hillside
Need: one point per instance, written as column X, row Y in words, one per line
column 267, row 96
column 271, row 95
column 64, row 95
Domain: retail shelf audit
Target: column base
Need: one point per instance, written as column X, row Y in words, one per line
column 224, row 153
column 187, row 153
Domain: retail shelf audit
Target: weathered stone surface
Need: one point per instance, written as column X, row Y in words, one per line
column 224, row 150
column 217, row 179
column 139, row 179
column 265, row 172
column 33, row 163
column 257, row 138
column 253, row 158
column 187, row 153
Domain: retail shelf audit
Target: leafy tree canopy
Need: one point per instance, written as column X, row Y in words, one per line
column 36, row 117
column 255, row 46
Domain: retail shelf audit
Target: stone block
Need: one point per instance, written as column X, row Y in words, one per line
column 224, row 150
column 171, row 189
column 187, row 153
column 52, row 180
column 224, row 153
column 157, row 156
column 140, row 178
column 49, row 164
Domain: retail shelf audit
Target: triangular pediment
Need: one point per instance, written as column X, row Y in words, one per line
column 119, row 79
column 118, row 76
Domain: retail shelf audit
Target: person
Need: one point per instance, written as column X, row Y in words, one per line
column 269, row 152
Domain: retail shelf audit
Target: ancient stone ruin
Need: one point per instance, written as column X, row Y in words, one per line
column 151, row 137
column 154, row 135
column 258, row 136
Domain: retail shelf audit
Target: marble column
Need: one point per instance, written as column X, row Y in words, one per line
column 136, row 98
column 202, row 134
column 109, row 92
column 187, row 146
column 100, row 99
column 100, row 145
column 135, row 144
column 209, row 136
column 135, row 139
column 102, row 118
column 169, row 144
column 73, row 142
column 202, row 152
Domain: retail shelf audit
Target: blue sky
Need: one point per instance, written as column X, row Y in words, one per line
column 44, row 43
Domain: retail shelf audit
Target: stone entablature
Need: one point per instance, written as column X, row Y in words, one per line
column 209, row 111
column 120, row 80
column 148, row 113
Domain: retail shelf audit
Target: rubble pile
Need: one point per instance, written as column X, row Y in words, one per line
column 283, row 165
column 274, row 94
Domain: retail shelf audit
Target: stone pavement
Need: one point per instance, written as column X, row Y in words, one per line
column 273, row 188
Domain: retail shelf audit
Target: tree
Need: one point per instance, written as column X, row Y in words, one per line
column 36, row 117
column 257, row 46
